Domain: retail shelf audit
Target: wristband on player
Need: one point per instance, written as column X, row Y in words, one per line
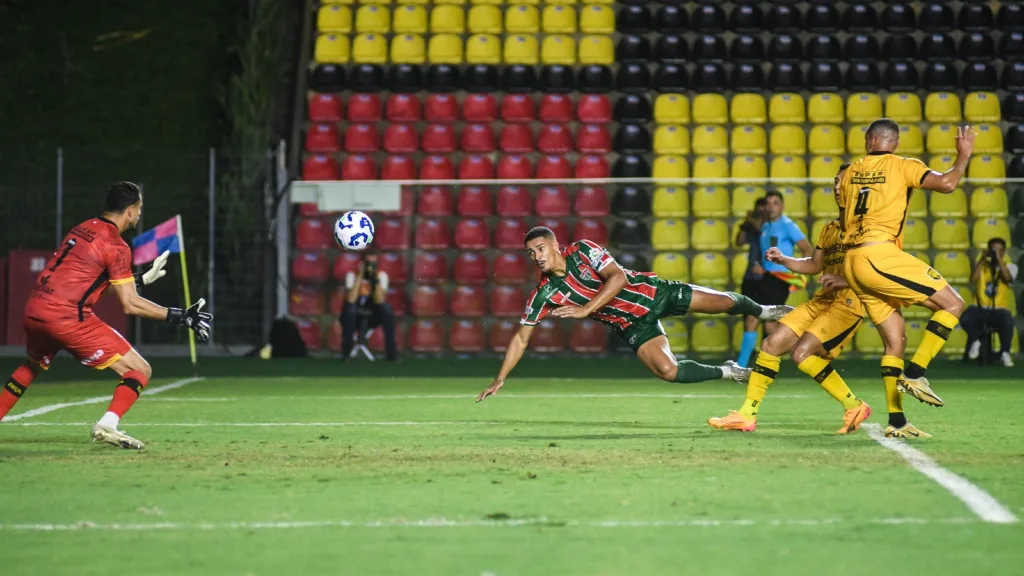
column 175, row 316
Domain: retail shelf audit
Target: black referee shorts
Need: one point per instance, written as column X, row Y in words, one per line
column 769, row 290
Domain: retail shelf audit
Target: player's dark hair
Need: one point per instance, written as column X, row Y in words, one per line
column 539, row 232
column 883, row 127
column 122, row 195
column 843, row 166
column 996, row 240
column 760, row 203
column 775, row 194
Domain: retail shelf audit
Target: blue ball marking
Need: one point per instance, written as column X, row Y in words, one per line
column 354, row 240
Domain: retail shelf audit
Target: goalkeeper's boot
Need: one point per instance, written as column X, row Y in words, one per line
column 908, row 430
column 734, row 421
column 115, row 437
column 737, row 372
column 920, row 389
column 774, row 313
column 853, row 418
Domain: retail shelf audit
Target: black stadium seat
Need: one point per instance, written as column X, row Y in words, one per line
column 327, row 78
column 630, row 235
column 824, row 48
column 860, row 18
column 783, row 18
column 746, row 48
column 940, row 76
column 672, row 19
column 977, row 47
column 631, row 167
column 746, row 18
column 899, row 17
column 632, row 108
column 557, row 79
column 1013, row 107
column 785, row 48
column 825, row 77
column 980, row 77
column 671, row 77
column 708, row 77
column 520, row 79
column 822, row 18
column 862, row 47
column 901, row 77
column 975, row 18
column 405, row 78
column 708, row 18
column 863, row 77
column 366, row 78
column 709, row 48
column 632, row 139
column 671, row 48
column 939, row 48
column 748, row 77
column 481, row 78
column 1013, row 77
column 785, row 77
column 633, row 20
column 633, row 78
column 936, row 18
column 1011, row 16
column 900, row 47
column 1011, row 47
column 1015, row 139
column 443, row 78
column 595, row 79
column 633, row 48
column 631, row 201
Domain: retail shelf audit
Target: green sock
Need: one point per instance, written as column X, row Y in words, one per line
column 743, row 306
column 689, row 372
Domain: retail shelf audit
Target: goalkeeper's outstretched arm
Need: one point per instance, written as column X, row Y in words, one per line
column 516, row 347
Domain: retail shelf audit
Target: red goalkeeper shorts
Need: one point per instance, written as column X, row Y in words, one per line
column 91, row 341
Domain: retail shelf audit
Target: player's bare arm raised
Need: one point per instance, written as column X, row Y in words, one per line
column 516, row 347
column 948, row 181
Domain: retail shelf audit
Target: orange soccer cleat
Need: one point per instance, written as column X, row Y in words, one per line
column 734, row 421
column 853, row 418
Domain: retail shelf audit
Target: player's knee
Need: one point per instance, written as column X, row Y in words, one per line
column 139, row 364
column 956, row 304
column 771, row 346
column 802, row 352
column 666, row 370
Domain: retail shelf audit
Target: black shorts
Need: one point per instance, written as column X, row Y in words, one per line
column 769, row 290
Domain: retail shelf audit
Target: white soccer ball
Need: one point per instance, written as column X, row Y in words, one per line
column 353, row 231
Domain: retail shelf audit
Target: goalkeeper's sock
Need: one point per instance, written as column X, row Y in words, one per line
column 935, row 335
column 766, row 368
column 892, row 373
column 688, row 372
column 743, row 306
column 126, row 393
column 823, row 373
column 746, row 348
column 15, row 387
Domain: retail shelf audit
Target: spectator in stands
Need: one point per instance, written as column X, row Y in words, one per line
column 365, row 307
column 779, row 231
column 992, row 277
column 749, row 234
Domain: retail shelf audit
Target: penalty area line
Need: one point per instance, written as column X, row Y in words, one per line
column 555, row 396
column 94, row 400
column 272, row 424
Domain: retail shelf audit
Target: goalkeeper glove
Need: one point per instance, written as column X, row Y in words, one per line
column 155, row 272
column 193, row 319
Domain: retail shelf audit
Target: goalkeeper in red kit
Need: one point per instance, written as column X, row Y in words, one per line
column 91, row 260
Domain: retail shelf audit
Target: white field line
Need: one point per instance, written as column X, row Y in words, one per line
column 980, row 502
column 270, row 424
column 567, row 396
column 94, row 400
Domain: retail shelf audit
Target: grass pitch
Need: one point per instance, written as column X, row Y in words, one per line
column 406, row 475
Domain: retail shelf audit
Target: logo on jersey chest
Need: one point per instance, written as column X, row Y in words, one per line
column 584, row 272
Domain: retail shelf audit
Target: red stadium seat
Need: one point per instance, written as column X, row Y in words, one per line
column 593, row 139
column 592, row 201
column 477, row 138
column 323, row 138
column 377, row 339
column 472, row 234
column 501, row 334
column 511, row 268
column 479, row 108
column 364, row 108
column 594, row 109
column 559, row 227
column 305, row 301
column 547, row 338
column 346, row 262
column 396, row 298
column 359, row 168
column 509, row 234
column 553, row 202
column 439, row 139
column 514, row 202
column 555, row 139
column 555, row 108
column 515, row 167
column 593, row 230
column 394, row 264
column 392, row 234
column 434, row 201
column 429, row 268
column 554, row 168
column 337, row 300
column 310, row 268
column 310, row 209
column 334, row 337
column 404, row 108
column 517, row 108
column 429, row 302
column 398, row 168
column 474, row 201
column 469, row 302
column 473, row 167
column 466, row 336
column 592, row 167
column 319, row 167
column 516, row 139
column 310, row 333
column 426, row 336
column 436, row 168
column 313, row 234
column 507, row 301
column 401, row 139
column 470, row 268
column 432, row 234
column 406, row 203
column 362, row 139
column 441, row 108
column 588, row 337
column 325, row 108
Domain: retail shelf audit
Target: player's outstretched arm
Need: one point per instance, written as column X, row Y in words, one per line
column 947, row 182
column 614, row 281
column 516, row 347
column 135, row 305
column 812, row 264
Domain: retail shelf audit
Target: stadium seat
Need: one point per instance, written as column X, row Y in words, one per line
column 426, row 336
column 670, row 166
column 449, row 19
column 477, row 138
column 632, row 108
column 484, row 19
column 749, row 139
column 670, row 201
column 500, row 334
column 310, row 333
column 868, row 340
column 744, row 198
column 949, row 205
column 369, row 48
column 826, row 139
column 445, row 49
column 710, row 109
column 515, row 167
column 982, row 107
column 483, row 48
column 440, row 108
column 956, row 344
column 748, row 109
column 343, row 264
column 630, row 235
column 596, row 19
column 396, row 267
column 941, row 139
column 955, row 267
column 915, row 234
column 911, row 141
column 470, row 268
column 903, row 107
column 548, row 338
column 311, row 268
column 429, row 302
column 672, row 109
column 364, row 108
column 917, row 204
column 593, row 230
column 325, row 108
column 516, row 139
column 362, row 139
column 678, row 337
column 466, row 336
column 710, row 234
column 989, row 139
column 553, row 168
column 398, row 168
column 591, row 166
column 553, row 201
column 521, row 49
column 671, row 266
column 788, row 167
column 522, row 19
column 987, row 167
column 795, row 199
column 855, row 138
column 358, row 168
column 430, row 268
column 786, row 108
column 400, row 138
column 711, row 167
column 593, row 139
column 432, row 234
column 472, row 234
column 516, row 108
column 510, row 268
column 323, row 138
column 787, row 139
column 558, row 49
column 738, row 268
column 555, row 139
column 509, row 234
column 711, row 202
column 332, row 49
column 313, row 234
column 591, row 202
column 987, row 228
column 588, row 337
column 710, row 139
column 816, row 228
column 863, row 108
column 468, row 302
column 989, row 202
column 670, row 234
column 824, row 166
column 412, row 19
column 748, row 167
column 671, row 139
column 710, row 337
column 373, row 18
column 474, row 201
column 593, row 109
column 479, row 108
column 942, row 107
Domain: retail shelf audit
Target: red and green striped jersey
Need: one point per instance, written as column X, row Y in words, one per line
column 583, row 262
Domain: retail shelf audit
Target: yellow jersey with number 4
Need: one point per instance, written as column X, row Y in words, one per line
column 875, row 191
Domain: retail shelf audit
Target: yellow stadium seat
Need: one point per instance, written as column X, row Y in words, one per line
column 672, row 109
column 737, row 336
column 484, row 19
column 338, row 2
column 787, row 139
column 670, row 201
column 710, row 109
column 671, row 266
column 455, row 2
column 748, row 109
column 903, row 107
column 710, row 234
column 738, row 268
column 915, row 234
column 795, row 199
column 370, row 48
column 671, row 139
column 334, row 18
column 591, row 1
column 744, row 198
column 448, row 19
column 371, row 18
column 949, row 205
column 825, row 108
column 444, row 48
column 710, row 202
column 986, row 229
column 748, row 166
column 987, row 167
column 597, row 20
column 797, row 297
column 801, row 224
column 922, row 256
column 855, row 138
column 955, row 267
column 942, row 107
column 677, row 334
column 816, row 228
column 868, row 340
column 989, row 139
column 422, row 2
column 408, row 49
column 786, row 108
column 483, row 49
column 710, row 336
column 558, row 49
column 917, row 204
column 982, row 107
column 522, row 19
column 597, row 49
column 410, row 19
column 950, row 234
column 670, row 234
column 558, row 19
column 710, row 139
column 381, row 2
column 826, row 139
column 911, row 141
column 825, row 166
column 941, row 139
column 989, row 201
column 711, row 168
column 710, row 269
column 331, row 48
column 863, row 108
column 670, row 166
column 521, row 49
column 788, row 167
column 966, row 293
column 915, row 332
column 749, row 139
column 515, row 2
column 941, row 163
column 823, row 203
column 956, row 343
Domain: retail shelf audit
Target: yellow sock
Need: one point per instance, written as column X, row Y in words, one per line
column 823, row 372
column 766, row 368
column 935, row 335
column 892, row 371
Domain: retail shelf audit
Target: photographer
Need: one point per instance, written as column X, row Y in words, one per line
column 365, row 295
column 749, row 234
column 992, row 278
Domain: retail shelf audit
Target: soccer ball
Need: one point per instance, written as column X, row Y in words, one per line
column 353, row 231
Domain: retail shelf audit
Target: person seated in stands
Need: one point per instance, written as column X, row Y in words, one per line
column 992, row 277
column 365, row 307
